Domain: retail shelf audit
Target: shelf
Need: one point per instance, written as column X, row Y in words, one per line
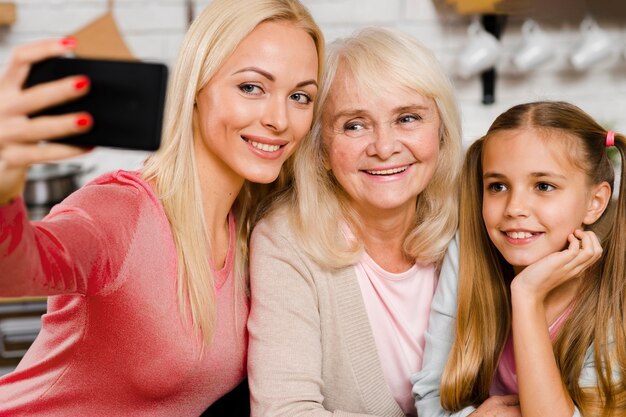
column 7, row 13
column 17, row 300
column 466, row 7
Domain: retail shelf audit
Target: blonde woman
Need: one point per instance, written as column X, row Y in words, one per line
column 146, row 271
column 344, row 266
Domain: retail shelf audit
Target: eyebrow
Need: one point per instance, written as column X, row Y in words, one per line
column 272, row 78
column 357, row 112
column 539, row 174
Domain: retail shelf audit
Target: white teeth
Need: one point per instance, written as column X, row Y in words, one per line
column 264, row 146
column 387, row 171
column 519, row 235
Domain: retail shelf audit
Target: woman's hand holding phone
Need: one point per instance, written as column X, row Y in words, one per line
column 20, row 136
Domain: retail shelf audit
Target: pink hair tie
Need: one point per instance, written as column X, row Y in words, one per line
column 610, row 138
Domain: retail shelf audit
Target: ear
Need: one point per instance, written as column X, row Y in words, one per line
column 599, row 199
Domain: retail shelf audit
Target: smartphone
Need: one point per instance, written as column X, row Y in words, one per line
column 126, row 100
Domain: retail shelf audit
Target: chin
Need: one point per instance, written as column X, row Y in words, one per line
column 262, row 178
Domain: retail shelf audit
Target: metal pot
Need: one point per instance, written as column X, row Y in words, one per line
column 49, row 184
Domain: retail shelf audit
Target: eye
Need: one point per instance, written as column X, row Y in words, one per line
column 251, row 89
column 409, row 118
column 496, row 187
column 354, row 126
column 545, row 187
column 301, row 98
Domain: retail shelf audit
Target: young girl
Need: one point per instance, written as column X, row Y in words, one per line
column 145, row 272
column 541, row 293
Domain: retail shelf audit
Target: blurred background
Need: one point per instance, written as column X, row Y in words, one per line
column 153, row 30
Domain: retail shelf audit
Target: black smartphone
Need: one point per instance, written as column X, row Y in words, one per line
column 126, row 100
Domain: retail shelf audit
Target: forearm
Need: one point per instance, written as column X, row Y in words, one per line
column 541, row 390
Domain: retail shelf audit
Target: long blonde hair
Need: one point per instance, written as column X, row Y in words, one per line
column 377, row 57
column 598, row 316
column 211, row 39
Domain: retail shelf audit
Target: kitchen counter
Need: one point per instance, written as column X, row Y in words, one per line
column 20, row 323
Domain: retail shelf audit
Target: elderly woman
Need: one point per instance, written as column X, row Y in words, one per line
column 345, row 264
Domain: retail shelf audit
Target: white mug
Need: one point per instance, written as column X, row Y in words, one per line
column 596, row 45
column 536, row 48
column 481, row 52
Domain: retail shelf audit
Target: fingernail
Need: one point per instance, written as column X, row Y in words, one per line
column 84, row 120
column 69, row 42
column 82, row 83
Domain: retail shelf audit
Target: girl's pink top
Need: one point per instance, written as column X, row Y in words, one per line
column 398, row 308
column 113, row 342
column 505, row 379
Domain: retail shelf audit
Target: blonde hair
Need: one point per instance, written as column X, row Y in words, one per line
column 210, row 41
column 598, row 314
column 377, row 57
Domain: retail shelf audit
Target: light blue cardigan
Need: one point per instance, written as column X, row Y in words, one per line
column 439, row 341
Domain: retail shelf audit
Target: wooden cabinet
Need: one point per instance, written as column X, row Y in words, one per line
column 475, row 6
column 7, row 13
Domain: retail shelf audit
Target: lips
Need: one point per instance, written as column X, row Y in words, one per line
column 521, row 236
column 387, row 171
column 264, row 144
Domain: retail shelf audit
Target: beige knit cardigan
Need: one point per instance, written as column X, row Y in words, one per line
column 311, row 347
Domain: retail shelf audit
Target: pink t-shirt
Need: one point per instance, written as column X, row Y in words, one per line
column 398, row 307
column 113, row 342
column 505, row 379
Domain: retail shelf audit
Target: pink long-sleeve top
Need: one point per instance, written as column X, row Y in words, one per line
column 113, row 342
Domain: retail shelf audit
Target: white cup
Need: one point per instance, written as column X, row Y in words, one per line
column 481, row 52
column 595, row 46
column 536, row 48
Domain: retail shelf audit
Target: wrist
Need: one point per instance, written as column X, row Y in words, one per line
column 523, row 295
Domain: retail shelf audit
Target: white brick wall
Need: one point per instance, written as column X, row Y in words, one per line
column 154, row 29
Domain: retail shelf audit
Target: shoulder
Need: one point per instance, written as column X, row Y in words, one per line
column 114, row 201
column 275, row 244
column 117, row 190
column 276, row 226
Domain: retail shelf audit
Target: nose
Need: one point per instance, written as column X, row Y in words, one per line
column 384, row 143
column 517, row 204
column 275, row 114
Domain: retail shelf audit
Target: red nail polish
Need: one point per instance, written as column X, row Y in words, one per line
column 81, row 83
column 69, row 42
column 84, row 120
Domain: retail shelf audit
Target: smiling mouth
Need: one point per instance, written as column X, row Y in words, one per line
column 391, row 171
column 263, row 146
column 521, row 235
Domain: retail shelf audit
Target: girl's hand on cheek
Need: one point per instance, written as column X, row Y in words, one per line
column 538, row 279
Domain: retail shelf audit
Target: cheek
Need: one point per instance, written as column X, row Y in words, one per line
column 301, row 124
column 341, row 159
column 428, row 149
column 213, row 114
column 490, row 213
